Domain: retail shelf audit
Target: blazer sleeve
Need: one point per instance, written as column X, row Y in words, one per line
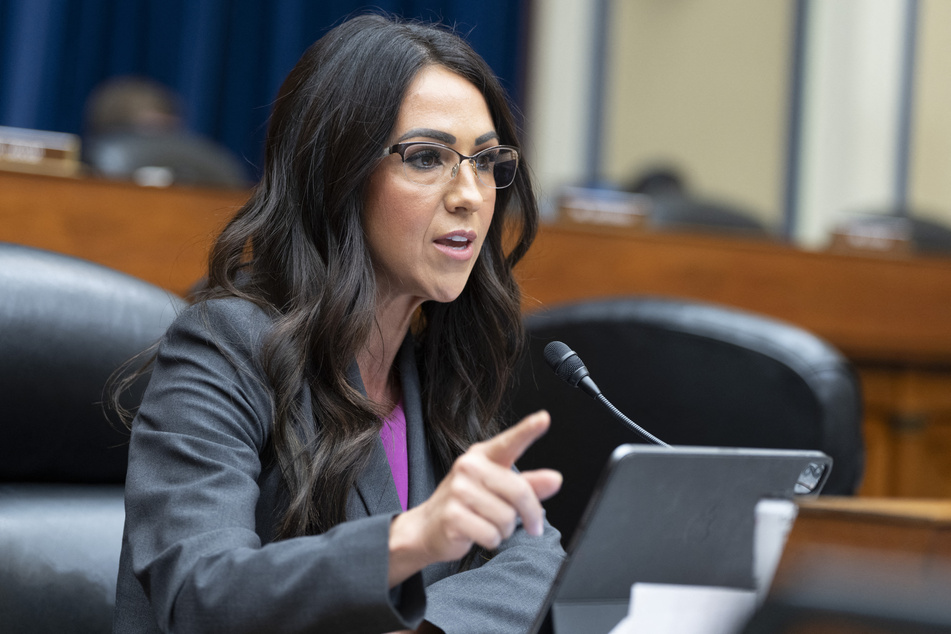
column 192, row 492
column 505, row 593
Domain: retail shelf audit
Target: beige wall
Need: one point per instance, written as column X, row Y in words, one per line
column 929, row 186
column 705, row 85
column 702, row 85
column 559, row 95
column 851, row 109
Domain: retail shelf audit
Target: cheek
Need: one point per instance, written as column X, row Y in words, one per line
column 396, row 219
column 382, row 206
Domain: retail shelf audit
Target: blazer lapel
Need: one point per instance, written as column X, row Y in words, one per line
column 422, row 480
column 376, row 492
column 375, row 487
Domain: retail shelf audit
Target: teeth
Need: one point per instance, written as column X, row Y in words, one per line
column 458, row 239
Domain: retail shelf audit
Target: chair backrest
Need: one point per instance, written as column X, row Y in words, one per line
column 691, row 374
column 59, row 556
column 65, row 326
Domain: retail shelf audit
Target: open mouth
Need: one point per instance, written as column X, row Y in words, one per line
column 456, row 242
column 458, row 245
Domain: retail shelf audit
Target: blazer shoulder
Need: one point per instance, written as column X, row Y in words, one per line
column 232, row 321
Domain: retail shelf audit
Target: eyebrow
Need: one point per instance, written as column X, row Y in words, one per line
column 444, row 137
column 438, row 135
column 488, row 136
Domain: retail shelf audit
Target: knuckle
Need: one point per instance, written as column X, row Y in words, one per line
column 466, row 464
column 460, row 489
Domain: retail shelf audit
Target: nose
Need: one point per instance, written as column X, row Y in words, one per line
column 465, row 190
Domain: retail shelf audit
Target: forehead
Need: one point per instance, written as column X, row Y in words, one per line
column 439, row 99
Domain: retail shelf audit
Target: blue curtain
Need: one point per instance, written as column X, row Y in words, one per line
column 226, row 58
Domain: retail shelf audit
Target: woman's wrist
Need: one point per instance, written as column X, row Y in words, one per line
column 406, row 556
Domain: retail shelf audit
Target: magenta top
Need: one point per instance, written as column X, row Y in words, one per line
column 393, row 435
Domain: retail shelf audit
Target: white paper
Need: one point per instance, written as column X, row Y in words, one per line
column 675, row 609
column 774, row 519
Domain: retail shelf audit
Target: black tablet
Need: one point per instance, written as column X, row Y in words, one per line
column 681, row 515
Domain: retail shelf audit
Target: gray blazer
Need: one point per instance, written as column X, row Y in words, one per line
column 202, row 499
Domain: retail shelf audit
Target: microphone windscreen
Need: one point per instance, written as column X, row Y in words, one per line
column 564, row 362
column 555, row 351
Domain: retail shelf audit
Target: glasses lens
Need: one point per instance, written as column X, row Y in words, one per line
column 427, row 164
column 496, row 166
column 503, row 171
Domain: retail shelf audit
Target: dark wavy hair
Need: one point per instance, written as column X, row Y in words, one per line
column 298, row 250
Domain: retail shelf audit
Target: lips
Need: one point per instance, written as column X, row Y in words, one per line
column 457, row 239
column 457, row 244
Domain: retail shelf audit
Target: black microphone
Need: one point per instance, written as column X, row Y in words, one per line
column 570, row 369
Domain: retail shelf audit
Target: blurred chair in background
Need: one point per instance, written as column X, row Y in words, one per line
column 134, row 131
column 930, row 237
column 900, row 232
column 65, row 326
column 691, row 374
column 673, row 207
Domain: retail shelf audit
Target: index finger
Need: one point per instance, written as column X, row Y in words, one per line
column 507, row 447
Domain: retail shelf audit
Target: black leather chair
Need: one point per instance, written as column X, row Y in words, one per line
column 681, row 213
column 691, row 374
column 65, row 326
column 673, row 207
column 180, row 158
column 930, row 237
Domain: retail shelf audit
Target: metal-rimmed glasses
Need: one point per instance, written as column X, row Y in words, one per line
column 426, row 163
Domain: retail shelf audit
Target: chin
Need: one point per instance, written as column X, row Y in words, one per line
column 446, row 287
column 447, row 295
column 446, row 298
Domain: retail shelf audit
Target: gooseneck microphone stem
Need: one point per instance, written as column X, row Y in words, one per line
column 646, row 435
column 570, row 369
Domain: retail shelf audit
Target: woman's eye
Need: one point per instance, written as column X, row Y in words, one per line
column 424, row 159
column 486, row 162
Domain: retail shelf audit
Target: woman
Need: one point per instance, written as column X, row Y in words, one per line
column 315, row 450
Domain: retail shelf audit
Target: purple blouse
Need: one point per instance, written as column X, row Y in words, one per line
column 393, row 435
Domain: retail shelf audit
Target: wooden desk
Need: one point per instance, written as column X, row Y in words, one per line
column 918, row 530
column 891, row 316
column 911, row 535
column 864, row 565
column 159, row 235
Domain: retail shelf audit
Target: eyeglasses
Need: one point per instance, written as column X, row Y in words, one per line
column 427, row 163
